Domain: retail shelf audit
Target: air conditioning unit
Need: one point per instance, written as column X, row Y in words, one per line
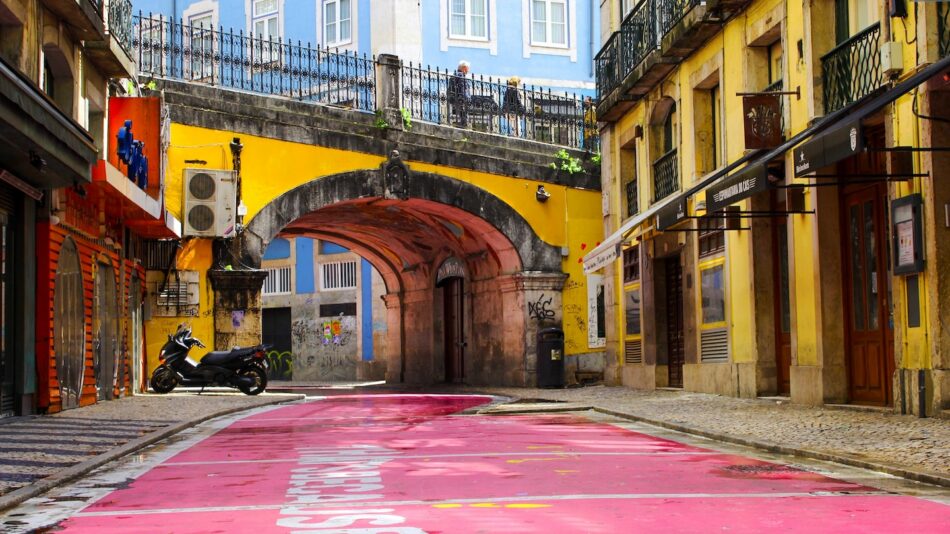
column 209, row 203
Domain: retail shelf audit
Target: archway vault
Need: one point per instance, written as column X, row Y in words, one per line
column 405, row 223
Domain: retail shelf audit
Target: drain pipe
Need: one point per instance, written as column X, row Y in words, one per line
column 921, row 394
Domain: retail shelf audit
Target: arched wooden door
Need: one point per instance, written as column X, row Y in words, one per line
column 69, row 325
column 105, row 331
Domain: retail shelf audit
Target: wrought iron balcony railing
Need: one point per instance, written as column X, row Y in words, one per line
column 607, row 63
column 943, row 28
column 633, row 206
column 492, row 106
column 226, row 58
column 640, row 33
column 852, row 70
column 120, row 23
column 665, row 176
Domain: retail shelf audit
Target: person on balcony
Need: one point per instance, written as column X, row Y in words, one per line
column 459, row 92
column 512, row 106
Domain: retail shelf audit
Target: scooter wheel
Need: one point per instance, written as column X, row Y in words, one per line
column 163, row 380
column 260, row 380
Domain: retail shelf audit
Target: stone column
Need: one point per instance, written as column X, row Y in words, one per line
column 389, row 89
column 395, row 351
column 531, row 299
column 237, row 307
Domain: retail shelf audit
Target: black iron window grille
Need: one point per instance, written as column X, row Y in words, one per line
column 120, row 23
column 665, row 176
column 712, row 235
column 943, row 28
column 633, row 206
column 852, row 70
column 171, row 49
column 671, row 12
column 494, row 106
column 631, row 264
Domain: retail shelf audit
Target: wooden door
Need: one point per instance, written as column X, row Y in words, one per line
column 452, row 292
column 674, row 321
column 782, row 302
column 866, row 278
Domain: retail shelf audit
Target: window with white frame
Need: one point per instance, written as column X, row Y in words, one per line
column 265, row 28
column 202, row 45
column 152, row 32
column 549, row 23
column 338, row 275
column 337, row 22
column 468, row 19
column 277, row 281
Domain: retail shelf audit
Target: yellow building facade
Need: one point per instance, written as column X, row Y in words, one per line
column 773, row 199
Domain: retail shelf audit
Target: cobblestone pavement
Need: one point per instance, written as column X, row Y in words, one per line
column 36, row 447
column 879, row 437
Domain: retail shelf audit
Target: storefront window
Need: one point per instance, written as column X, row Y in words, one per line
column 713, row 295
column 631, row 309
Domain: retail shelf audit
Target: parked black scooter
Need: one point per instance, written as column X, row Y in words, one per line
column 242, row 368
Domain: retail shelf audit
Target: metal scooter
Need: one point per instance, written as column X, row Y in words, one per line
column 242, row 368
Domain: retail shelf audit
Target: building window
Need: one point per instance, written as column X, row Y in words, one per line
column 202, row 46
column 549, row 23
column 338, row 275
column 277, row 281
column 631, row 309
column 337, row 22
column 625, row 7
column 151, row 32
column 713, row 295
column 631, row 264
column 712, row 236
column 468, row 19
column 715, row 110
column 264, row 21
column 628, row 177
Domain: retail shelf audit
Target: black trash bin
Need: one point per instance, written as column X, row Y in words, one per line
column 550, row 358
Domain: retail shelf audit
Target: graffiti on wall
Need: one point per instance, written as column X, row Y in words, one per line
column 280, row 365
column 334, row 333
column 540, row 310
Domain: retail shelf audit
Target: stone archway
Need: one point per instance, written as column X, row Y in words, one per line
column 405, row 224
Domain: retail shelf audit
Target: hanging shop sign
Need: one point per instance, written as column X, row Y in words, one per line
column 763, row 121
column 907, row 235
column 671, row 214
column 830, row 148
column 750, row 180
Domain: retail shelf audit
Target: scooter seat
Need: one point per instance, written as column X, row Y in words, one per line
column 220, row 357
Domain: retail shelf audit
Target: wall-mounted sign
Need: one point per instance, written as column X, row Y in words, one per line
column 827, row 149
column 452, row 267
column 671, row 214
column 750, row 180
column 907, row 235
column 763, row 121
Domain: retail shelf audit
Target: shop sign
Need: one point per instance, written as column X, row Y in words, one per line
column 750, row 180
column 671, row 214
column 830, row 148
column 907, row 235
column 763, row 121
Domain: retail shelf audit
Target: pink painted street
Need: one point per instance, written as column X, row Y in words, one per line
column 427, row 463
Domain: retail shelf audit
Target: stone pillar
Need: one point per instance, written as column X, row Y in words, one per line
column 395, row 353
column 237, row 307
column 389, row 89
column 532, row 299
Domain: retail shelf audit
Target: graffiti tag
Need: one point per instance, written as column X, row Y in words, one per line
column 539, row 310
column 280, row 365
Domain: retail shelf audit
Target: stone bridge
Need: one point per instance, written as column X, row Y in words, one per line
column 410, row 197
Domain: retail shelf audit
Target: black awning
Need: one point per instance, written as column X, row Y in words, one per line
column 752, row 179
column 672, row 214
column 829, row 148
column 38, row 142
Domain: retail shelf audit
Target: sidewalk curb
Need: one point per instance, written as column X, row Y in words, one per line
column 71, row 473
column 919, row 476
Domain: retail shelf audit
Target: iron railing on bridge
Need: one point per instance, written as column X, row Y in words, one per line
column 665, row 176
column 492, row 106
column 120, row 23
column 171, row 49
column 852, row 70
